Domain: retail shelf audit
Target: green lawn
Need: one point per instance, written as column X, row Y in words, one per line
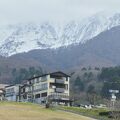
column 28, row 111
column 87, row 112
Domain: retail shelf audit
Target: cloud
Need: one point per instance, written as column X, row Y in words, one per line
column 12, row 11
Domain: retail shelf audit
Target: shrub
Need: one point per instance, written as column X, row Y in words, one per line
column 104, row 113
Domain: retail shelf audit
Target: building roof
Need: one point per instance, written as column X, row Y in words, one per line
column 2, row 86
column 12, row 85
column 59, row 73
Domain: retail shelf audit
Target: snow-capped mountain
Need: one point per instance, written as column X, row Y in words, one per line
column 25, row 37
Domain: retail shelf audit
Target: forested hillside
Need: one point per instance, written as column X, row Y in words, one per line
column 93, row 84
column 86, row 82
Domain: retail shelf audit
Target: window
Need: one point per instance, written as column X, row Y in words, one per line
column 10, row 90
column 37, row 80
column 37, row 96
column 44, row 94
column 44, row 86
column 66, row 78
column 44, row 78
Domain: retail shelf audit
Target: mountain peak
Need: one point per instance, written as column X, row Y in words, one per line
column 25, row 37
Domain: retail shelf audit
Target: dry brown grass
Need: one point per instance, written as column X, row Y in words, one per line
column 20, row 111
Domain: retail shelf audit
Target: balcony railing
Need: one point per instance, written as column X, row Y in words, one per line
column 61, row 90
column 58, row 96
column 59, row 81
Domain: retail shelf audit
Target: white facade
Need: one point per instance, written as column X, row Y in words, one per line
column 52, row 87
column 41, row 89
column 12, row 93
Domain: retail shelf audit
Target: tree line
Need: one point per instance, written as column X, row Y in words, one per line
column 97, row 86
column 19, row 75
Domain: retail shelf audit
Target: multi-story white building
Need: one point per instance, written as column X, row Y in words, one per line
column 12, row 92
column 52, row 87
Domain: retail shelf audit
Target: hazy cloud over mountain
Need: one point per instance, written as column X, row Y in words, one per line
column 12, row 11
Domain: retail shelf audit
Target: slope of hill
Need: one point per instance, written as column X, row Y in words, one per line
column 11, row 68
column 103, row 50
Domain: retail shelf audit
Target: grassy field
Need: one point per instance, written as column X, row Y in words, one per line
column 27, row 111
column 87, row 112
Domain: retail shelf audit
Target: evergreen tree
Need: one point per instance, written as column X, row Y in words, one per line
column 79, row 85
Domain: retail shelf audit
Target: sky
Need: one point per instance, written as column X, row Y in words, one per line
column 20, row 11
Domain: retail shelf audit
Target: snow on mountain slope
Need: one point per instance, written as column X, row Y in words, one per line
column 25, row 37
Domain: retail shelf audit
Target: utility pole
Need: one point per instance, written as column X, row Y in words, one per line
column 113, row 98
